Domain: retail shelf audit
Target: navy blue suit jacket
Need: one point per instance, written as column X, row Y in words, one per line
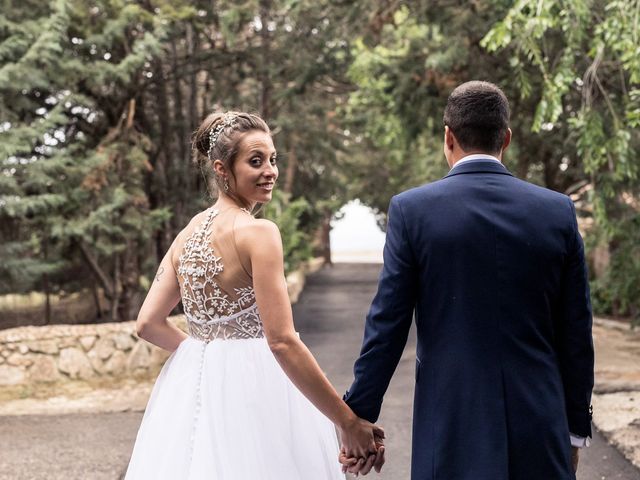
column 494, row 269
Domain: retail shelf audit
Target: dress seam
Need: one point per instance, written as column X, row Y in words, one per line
column 197, row 410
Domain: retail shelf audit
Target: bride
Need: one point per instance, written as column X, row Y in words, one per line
column 241, row 397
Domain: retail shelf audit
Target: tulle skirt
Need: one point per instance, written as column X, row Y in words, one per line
column 225, row 410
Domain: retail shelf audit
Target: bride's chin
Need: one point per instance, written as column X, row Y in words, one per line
column 262, row 199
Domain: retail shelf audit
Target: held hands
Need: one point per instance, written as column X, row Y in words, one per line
column 361, row 465
column 362, row 447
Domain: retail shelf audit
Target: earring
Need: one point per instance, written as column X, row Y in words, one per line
column 226, row 185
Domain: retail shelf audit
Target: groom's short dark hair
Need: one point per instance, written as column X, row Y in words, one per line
column 478, row 115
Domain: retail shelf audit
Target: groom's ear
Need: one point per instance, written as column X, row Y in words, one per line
column 449, row 139
column 507, row 140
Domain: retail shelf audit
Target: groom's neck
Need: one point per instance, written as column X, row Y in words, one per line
column 459, row 154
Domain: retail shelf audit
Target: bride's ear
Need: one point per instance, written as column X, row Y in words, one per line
column 219, row 168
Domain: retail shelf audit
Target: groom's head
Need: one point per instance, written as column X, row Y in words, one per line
column 476, row 120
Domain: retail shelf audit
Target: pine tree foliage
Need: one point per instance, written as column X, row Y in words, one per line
column 97, row 104
column 98, row 101
column 73, row 163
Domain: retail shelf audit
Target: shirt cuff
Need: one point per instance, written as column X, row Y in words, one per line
column 579, row 442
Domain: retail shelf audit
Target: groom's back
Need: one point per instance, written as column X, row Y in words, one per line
column 491, row 252
column 494, row 269
column 489, row 245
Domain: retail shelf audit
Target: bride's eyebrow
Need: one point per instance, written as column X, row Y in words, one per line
column 261, row 153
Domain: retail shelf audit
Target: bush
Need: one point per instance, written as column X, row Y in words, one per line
column 617, row 292
column 286, row 214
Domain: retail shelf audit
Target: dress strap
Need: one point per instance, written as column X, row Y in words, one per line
column 235, row 244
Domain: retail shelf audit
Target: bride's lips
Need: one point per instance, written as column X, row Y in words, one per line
column 266, row 185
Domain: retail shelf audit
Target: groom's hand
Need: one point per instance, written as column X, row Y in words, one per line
column 364, row 465
column 358, row 438
column 360, row 465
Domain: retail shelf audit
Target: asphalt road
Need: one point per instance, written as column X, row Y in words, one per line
column 330, row 317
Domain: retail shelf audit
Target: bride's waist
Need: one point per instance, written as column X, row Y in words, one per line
column 209, row 318
column 208, row 337
column 216, row 339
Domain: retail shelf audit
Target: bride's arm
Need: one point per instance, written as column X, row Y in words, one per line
column 261, row 239
column 163, row 296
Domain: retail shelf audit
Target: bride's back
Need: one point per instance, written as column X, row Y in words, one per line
column 215, row 282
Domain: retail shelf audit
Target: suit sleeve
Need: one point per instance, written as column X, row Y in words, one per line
column 575, row 345
column 388, row 321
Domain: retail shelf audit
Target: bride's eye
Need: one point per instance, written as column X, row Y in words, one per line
column 273, row 160
column 255, row 161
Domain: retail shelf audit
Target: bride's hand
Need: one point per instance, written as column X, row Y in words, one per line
column 361, row 443
column 357, row 438
column 361, row 466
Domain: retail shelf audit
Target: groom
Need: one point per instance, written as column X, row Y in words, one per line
column 493, row 269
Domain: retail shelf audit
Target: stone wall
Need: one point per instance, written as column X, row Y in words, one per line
column 77, row 352
column 58, row 353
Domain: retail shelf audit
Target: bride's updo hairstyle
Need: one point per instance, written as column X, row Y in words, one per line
column 227, row 129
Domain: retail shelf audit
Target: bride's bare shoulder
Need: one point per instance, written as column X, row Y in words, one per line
column 255, row 228
column 256, row 233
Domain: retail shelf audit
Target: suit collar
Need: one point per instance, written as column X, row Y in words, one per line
column 479, row 166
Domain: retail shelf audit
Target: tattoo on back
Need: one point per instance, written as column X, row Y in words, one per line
column 160, row 270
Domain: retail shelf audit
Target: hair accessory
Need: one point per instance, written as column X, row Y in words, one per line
column 228, row 120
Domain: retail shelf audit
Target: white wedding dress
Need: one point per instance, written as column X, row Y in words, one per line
column 221, row 407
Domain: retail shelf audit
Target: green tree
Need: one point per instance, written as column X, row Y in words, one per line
column 418, row 52
column 98, row 101
column 570, row 70
column 586, row 59
column 73, row 163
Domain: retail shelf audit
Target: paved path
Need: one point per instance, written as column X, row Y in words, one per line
column 330, row 316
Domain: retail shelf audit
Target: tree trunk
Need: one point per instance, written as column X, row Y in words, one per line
column 522, row 168
column 180, row 161
column 292, row 166
column 117, row 289
column 162, row 155
column 101, row 276
column 46, row 287
column 551, row 168
column 96, row 300
column 129, row 283
column 194, row 117
column 326, row 237
column 265, row 54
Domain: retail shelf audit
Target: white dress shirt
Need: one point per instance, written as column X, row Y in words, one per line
column 475, row 156
column 576, row 440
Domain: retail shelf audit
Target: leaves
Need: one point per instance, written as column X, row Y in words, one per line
column 98, row 101
column 591, row 47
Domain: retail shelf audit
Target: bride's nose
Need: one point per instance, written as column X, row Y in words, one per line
column 271, row 172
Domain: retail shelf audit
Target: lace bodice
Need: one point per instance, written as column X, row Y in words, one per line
column 213, row 309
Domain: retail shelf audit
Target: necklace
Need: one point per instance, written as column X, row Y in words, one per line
column 232, row 208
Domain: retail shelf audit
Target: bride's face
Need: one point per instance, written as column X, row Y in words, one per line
column 255, row 168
